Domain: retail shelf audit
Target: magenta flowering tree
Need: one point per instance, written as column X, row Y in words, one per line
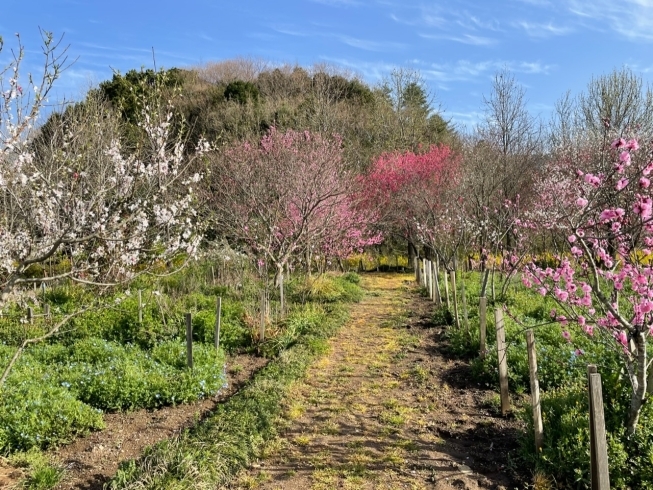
column 414, row 195
column 604, row 281
column 287, row 194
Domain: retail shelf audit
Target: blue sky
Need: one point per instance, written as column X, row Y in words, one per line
column 551, row 46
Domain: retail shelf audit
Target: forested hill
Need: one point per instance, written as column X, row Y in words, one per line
column 241, row 99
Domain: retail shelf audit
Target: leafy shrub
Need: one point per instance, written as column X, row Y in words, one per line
column 38, row 414
column 234, row 334
column 111, row 376
column 565, row 452
column 352, row 277
column 308, row 320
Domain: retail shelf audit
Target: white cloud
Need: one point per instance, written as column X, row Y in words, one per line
column 467, row 71
column 368, row 45
column 288, row 31
column 632, row 19
column 535, row 29
column 373, row 71
column 463, row 39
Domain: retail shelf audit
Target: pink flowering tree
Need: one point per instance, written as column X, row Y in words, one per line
column 412, row 193
column 338, row 230
column 604, row 281
column 289, row 192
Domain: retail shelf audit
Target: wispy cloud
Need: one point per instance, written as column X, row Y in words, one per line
column 463, row 39
column 289, row 31
column 541, row 30
column 537, row 3
column 370, row 70
column 467, row 71
column 465, row 120
column 632, row 19
column 368, row 45
column 354, row 42
column 204, row 36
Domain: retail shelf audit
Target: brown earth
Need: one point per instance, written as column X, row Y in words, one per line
column 387, row 409
column 92, row 460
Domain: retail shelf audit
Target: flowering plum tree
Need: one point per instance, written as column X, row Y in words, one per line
column 72, row 194
column 605, row 209
column 77, row 197
column 289, row 192
column 414, row 195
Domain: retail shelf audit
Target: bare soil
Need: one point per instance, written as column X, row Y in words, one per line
column 388, row 409
column 92, row 460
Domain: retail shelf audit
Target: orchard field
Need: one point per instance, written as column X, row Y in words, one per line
column 178, row 231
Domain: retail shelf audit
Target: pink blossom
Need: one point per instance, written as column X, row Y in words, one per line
column 618, row 143
column 566, row 335
column 571, row 238
column 592, row 180
column 561, row 295
column 644, row 182
column 581, row 320
column 624, row 157
column 632, row 145
column 621, row 337
column 621, row 184
column 581, row 202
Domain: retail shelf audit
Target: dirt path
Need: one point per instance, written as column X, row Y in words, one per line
column 386, row 410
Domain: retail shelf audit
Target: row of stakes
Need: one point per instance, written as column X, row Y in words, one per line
column 427, row 274
column 31, row 316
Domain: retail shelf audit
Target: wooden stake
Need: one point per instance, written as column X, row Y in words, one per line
column 482, row 321
column 218, row 315
column 436, row 285
column 503, row 363
column 484, row 282
column 262, row 327
column 535, row 391
column 454, row 293
column 140, row 306
column 424, row 272
column 446, row 288
column 30, row 314
column 598, row 447
column 189, row 340
column 465, row 312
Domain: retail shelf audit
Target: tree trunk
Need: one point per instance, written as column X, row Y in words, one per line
column 412, row 253
column 639, row 382
column 282, row 299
